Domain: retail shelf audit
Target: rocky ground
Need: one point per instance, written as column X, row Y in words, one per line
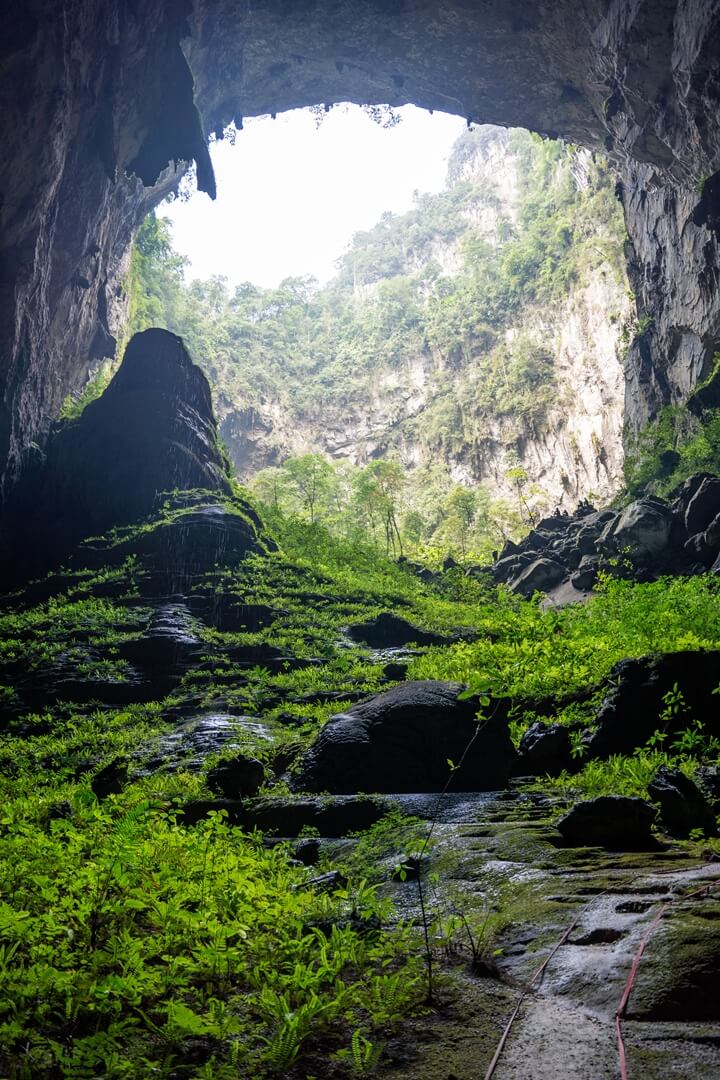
column 183, row 652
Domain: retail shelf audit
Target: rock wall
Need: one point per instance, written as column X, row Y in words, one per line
column 92, row 92
column 573, row 451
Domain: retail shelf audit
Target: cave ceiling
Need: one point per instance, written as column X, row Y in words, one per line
column 104, row 104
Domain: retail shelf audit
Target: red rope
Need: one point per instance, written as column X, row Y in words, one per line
column 540, row 971
column 652, row 926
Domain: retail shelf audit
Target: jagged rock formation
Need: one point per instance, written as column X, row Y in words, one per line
column 648, row 538
column 91, row 94
column 152, row 431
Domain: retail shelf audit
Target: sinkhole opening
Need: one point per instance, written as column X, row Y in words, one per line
column 413, row 328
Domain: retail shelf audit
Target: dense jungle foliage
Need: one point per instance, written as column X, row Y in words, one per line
column 137, row 944
column 437, row 287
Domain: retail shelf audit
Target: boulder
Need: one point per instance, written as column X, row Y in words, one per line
column 509, row 566
column 611, row 821
column 111, row 779
column 683, row 807
column 331, row 817
column 389, row 631
column 177, row 545
column 586, row 574
column 238, row 777
column 633, row 709
column 540, row 576
column 683, row 494
column 643, row 531
column 553, row 524
column 587, row 537
column 703, row 547
column 704, row 505
column 545, row 749
column 707, row 778
column 402, row 741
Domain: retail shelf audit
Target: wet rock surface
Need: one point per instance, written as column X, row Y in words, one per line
column 196, row 738
column 567, row 1025
column 402, row 740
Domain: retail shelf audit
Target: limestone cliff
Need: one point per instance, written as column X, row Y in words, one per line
column 534, row 382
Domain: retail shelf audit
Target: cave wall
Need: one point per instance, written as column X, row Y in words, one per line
column 100, row 101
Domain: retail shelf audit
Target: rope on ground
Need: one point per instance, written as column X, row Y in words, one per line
column 535, row 980
column 652, row 926
column 540, row 971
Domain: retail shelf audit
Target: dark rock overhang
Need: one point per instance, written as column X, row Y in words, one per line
column 104, row 104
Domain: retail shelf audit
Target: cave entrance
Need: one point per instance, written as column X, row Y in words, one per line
column 402, row 287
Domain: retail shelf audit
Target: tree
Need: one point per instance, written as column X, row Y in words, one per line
column 460, row 508
column 312, row 476
column 377, row 490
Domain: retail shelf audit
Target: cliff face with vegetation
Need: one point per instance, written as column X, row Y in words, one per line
column 483, row 330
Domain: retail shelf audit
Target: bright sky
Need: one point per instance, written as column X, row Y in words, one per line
column 290, row 195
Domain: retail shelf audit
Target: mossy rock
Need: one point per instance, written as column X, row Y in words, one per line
column 677, row 979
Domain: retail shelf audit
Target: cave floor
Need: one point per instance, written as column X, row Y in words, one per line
column 509, row 878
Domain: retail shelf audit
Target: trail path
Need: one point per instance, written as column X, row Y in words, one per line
column 565, row 1027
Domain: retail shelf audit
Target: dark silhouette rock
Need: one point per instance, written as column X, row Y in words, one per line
column 237, row 778
column 612, row 821
column 703, row 506
column 387, row 631
column 707, row 778
column 642, row 531
column 635, row 707
column 586, row 575
column 331, row 817
column 307, row 851
column 683, row 494
column 545, row 749
column 402, row 740
column 152, row 430
column 395, row 671
column 683, row 807
column 111, row 779
column 169, row 642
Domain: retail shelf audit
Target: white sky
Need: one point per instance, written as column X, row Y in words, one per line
column 290, row 195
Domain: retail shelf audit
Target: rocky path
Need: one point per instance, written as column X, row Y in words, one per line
column 565, row 1026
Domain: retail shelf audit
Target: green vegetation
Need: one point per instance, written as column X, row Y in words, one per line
column 420, row 512
column 673, row 447
column 434, row 290
column 132, row 943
